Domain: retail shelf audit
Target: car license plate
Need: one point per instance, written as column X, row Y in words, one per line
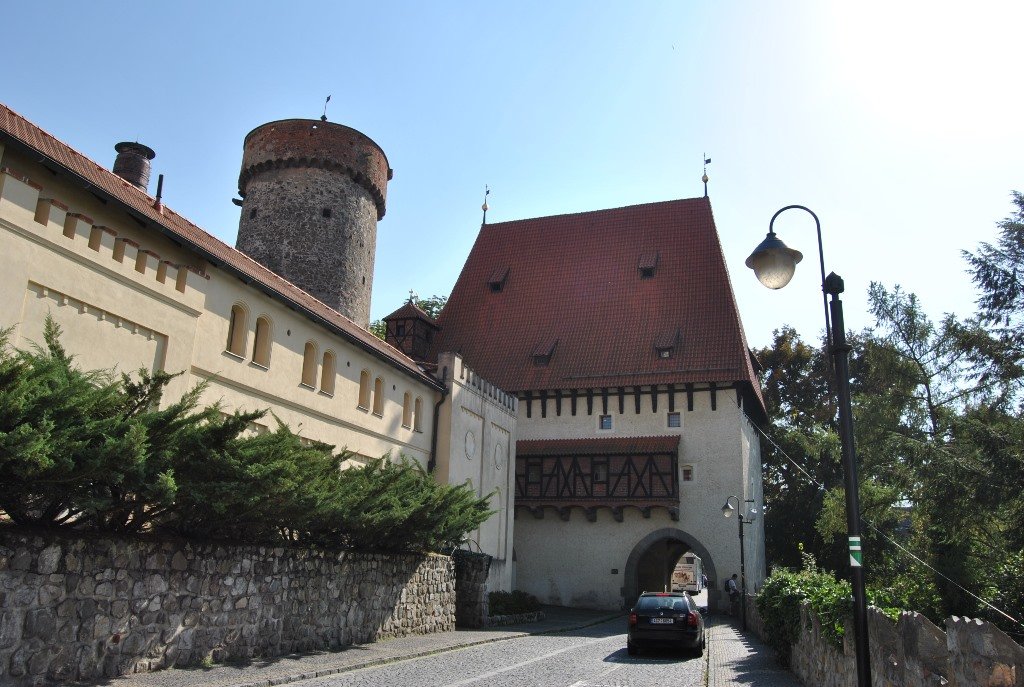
column 661, row 621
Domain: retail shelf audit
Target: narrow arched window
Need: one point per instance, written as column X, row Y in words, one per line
column 261, row 346
column 309, row 365
column 378, row 396
column 237, row 330
column 417, row 422
column 407, row 410
column 327, row 373
column 364, row 390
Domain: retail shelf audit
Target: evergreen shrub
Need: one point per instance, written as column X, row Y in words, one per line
column 90, row 451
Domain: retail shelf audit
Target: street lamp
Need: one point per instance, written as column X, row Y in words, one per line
column 727, row 511
column 774, row 263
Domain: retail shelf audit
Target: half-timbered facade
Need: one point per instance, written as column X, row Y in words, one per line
column 619, row 333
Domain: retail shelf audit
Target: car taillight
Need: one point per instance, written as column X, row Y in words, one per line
column 632, row 618
column 691, row 619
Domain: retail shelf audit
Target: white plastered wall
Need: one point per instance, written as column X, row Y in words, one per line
column 476, row 446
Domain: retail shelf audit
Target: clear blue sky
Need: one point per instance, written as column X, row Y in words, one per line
column 898, row 123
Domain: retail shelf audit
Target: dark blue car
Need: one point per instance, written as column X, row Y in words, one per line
column 669, row 620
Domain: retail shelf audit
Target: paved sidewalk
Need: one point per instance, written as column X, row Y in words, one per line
column 735, row 658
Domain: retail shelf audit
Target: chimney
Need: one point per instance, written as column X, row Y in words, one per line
column 132, row 163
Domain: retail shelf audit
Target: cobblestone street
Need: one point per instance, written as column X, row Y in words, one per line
column 569, row 648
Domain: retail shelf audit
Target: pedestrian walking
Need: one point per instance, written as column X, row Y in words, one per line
column 734, row 594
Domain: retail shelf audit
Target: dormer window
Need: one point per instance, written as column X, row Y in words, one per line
column 543, row 351
column 400, row 329
column 666, row 343
column 497, row 279
column 647, row 263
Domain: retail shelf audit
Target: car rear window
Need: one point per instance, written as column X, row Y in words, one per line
column 652, row 603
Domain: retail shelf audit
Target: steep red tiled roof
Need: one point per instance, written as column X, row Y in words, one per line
column 597, row 447
column 212, row 249
column 577, row 278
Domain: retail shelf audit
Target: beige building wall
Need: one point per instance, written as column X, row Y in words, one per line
column 114, row 288
column 478, row 448
column 721, row 448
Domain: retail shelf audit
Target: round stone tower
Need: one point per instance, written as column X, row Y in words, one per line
column 312, row 194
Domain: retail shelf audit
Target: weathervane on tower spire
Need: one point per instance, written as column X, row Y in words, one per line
column 707, row 161
column 323, row 117
column 487, row 192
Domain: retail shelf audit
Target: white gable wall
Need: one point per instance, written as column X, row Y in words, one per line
column 570, row 563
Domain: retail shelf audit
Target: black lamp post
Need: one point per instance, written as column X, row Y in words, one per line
column 727, row 511
column 774, row 264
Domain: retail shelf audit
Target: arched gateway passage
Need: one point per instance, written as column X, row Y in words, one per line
column 653, row 557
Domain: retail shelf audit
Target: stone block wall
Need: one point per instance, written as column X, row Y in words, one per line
column 471, row 571
column 84, row 608
column 912, row 652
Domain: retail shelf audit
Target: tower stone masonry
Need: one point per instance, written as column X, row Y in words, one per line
column 312, row 194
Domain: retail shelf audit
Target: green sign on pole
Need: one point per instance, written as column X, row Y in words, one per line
column 856, row 555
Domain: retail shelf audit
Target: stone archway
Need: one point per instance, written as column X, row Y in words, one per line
column 667, row 536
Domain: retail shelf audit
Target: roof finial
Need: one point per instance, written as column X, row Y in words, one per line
column 323, row 117
column 487, row 192
column 707, row 161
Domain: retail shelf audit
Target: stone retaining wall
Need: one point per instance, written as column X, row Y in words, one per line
column 471, row 571
column 912, row 652
column 86, row 608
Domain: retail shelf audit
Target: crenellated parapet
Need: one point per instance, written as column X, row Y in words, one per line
column 470, row 378
column 25, row 206
column 305, row 143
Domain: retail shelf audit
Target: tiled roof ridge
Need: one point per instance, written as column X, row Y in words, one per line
column 56, row 141
column 163, row 214
column 597, row 212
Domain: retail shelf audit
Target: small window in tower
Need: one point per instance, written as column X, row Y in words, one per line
column 533, row 473
column 604, row 422
column 326, row 212
column 400, row 329
column 687, row 473
column 674, row 420
column 599, row 472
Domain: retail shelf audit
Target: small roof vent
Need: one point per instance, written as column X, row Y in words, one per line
column 497, row 279
column 665, row 344
column 543, row 351
column 647, row 263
